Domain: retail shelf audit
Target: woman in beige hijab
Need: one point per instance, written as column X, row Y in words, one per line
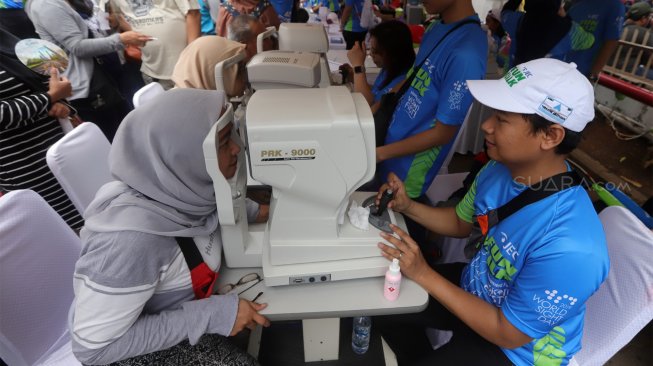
column 196, row 65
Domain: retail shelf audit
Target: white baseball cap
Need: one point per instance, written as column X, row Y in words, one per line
column 551, row 88
column 495, row 13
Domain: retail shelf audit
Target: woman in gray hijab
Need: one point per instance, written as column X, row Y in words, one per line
column 134, row 300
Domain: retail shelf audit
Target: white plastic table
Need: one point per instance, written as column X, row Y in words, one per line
column 320, row 306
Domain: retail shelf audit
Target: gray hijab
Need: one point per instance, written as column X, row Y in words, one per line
column 156, row 157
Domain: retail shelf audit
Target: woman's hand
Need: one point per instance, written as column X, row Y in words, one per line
column 59, row 87
column 59, row 110
column 412, row 263
column 263, row 213
column 400, row 201
column 134, row 38
column 248, row 316
column 347, row 72
column 357, row 54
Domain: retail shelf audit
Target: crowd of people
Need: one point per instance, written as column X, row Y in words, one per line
column 135, row 302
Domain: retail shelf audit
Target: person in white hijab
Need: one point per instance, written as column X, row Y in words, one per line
column 134, row 300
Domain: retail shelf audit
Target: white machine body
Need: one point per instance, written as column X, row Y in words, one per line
column 303, row 37
column 283, row 69
column 245, row 240
column 307, row 38
column 314, row 147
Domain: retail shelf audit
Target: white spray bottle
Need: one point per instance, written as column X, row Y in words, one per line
column 392, row 281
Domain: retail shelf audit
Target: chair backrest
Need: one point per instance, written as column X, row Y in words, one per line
column 444, row 185
column 80, row 162
column 146, row 93
column 38, row 252
column 623, row 305
column 444, row 169
column 452, row 249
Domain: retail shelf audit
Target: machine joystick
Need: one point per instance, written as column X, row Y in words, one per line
column 386, row 197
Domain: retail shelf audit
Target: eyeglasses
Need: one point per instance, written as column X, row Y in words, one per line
column 245, row 280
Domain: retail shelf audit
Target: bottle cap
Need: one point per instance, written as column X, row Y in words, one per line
column 394, row 266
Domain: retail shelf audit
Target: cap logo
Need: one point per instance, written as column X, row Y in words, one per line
column 556, row 110
column 515, row 75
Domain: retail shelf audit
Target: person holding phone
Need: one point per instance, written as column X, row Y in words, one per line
column 93, row 64
column 30, row 108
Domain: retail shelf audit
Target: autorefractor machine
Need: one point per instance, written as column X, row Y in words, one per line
column 314, row 146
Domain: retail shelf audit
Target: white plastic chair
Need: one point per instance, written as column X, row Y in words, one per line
column 38, row 252
column 80, row 162
column 146, row 93
column 442, row 187
column 444, row 169
column 623, row 305
column 452, row 248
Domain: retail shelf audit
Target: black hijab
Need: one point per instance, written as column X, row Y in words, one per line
column 12, row 65
column 540, row 29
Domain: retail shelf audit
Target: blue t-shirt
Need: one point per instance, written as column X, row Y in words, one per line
column 539, row 265
column 332, row 5
column 11, row 4
column 354, row 21
column 438, row 93
column 377, row 91
column 604, row 19
column 283, row 9
column 575, row 39
column 311, row 3
column 207, row 26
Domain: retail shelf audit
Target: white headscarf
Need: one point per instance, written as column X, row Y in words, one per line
column 157, row 159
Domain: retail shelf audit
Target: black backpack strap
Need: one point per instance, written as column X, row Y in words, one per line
column 532, row 194
column 539, row 192
column 409, row 81
column 202, row 277
column 191, row 254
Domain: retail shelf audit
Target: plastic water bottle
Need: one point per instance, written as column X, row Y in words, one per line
column 360, row 336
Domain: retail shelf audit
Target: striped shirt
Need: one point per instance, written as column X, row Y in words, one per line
column 26, row 133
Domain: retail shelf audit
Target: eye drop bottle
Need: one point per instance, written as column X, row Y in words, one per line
column 392, row 281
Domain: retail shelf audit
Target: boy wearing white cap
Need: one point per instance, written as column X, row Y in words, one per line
column 521, row 299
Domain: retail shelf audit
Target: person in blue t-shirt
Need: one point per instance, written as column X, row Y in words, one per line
column 350, row 23
column 13, row 18
column 332, row 5
column 283, row 9
column 430, row 113
column 529, row 42
column 604, row 19
column 391, row 49
column 521, row 299
column 207, row 24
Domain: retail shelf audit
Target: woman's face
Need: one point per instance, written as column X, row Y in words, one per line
column 492, row 24
column 228, row 150
column 376, row 53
